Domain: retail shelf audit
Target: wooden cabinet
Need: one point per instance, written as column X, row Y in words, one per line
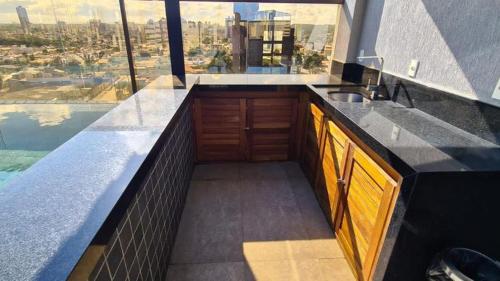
column 355, row 190
column 311, row 143
column 271, row 128
column 220, row 128
column 366, row 203
column 331, row 168
column 237, row 129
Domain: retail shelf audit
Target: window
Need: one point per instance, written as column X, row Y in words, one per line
column 63, row 64
column 147, row 27
column 225, row 37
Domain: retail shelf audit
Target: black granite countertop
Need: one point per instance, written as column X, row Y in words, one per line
column 420, row 141
column 51, row 213
column 423, row 142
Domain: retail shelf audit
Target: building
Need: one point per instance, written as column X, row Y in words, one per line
column 247, row 11
column 239, row 34
column 152, row 32
column 264, row 39
column 95, row 28
column 24, row 19
column 255, row 52
column 229, row 27
column 163, row 32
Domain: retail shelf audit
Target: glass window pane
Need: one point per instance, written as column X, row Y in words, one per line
column 147, row 26
column 226, row 37
column 63, row 64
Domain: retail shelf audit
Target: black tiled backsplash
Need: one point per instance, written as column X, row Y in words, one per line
column 475, row 117
column 141, row 244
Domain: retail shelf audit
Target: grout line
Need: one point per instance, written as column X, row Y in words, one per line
column 202, row 263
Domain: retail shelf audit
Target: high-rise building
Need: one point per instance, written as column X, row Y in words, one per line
column 164, row 32
column 247, row 11
column 95, row 28
column 265, row 39
column 23, row 19
column 239, row 33
column 152, row 32
column 229, row 27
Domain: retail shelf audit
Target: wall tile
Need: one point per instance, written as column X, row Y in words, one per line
column 141, row 245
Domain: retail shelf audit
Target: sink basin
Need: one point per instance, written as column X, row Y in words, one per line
column 345, row 96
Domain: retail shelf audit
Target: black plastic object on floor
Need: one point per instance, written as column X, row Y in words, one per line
column 461, row 264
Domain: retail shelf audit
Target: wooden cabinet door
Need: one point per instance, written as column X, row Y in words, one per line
column 272, row 128
column 331, row 169
column 366, row 204
column 220, row 129
column 312, row 140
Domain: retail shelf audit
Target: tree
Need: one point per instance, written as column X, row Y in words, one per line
column 207, row 41
column 313, row 62
column 194, row 52
column 221, row 59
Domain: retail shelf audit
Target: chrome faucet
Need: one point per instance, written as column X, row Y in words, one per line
column 374, row 89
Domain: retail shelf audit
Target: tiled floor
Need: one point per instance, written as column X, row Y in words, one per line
column 254, row 222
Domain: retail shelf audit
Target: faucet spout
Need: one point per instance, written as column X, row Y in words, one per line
column 374, row 89
column 381, row 61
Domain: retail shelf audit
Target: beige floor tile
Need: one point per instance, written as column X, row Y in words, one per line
column 270, row 212
column 210, row 228
column 336, row 270
column 262, row 222
column 287, row 270
column 316, row 224
column 256, row 171
column 292, row 169
column 291, row 249
column 222, row 171
column 234, row 271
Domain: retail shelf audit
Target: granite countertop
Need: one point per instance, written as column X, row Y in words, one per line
column 52, row 212
column 421, row 141
column 425, row 143
column 268, row 79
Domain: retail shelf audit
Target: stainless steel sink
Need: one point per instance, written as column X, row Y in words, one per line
column 345, row 96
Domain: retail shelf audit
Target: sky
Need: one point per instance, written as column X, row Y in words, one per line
column 80, row 11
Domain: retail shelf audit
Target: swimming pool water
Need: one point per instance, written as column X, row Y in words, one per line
column 28, row 132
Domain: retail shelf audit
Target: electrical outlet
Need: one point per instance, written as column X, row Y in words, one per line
column 496, row 92
column 361, row 54
column 395, row 132
column 412, row 69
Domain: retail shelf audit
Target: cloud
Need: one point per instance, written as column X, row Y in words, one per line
column 80, row 11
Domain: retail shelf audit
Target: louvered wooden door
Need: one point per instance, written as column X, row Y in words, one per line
column 271, row 128
column 220, row 129
column 365, row 207
column 237, row 129
column 331, row 169
column 310, row 152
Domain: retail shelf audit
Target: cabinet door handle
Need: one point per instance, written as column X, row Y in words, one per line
column 247, row 128
column 341, row 182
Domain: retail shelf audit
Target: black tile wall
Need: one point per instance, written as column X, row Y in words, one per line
column 475, row 117
column 141, row 244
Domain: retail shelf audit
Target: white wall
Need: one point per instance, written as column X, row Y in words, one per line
column 456, row 41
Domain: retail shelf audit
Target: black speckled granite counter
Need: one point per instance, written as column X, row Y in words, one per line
column 56, row 207
column 406, row 137
column 423, row 142
column 59, row 204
